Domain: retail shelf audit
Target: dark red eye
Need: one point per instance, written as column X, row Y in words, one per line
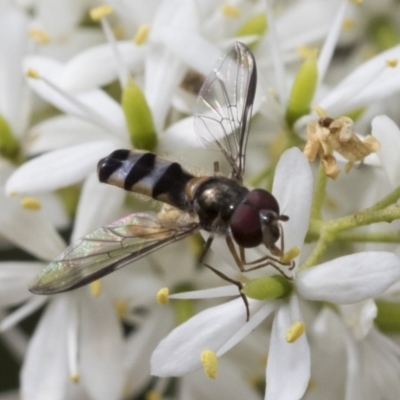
column 262, row 200
column 246, row 226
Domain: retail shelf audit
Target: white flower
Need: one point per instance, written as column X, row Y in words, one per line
column 343, row 280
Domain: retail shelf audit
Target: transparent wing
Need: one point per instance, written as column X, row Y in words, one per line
column 108, row 249
column 224, row 106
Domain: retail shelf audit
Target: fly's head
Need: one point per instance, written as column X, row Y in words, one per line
column 256, row 221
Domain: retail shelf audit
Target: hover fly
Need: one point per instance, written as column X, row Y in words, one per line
column 217, row 204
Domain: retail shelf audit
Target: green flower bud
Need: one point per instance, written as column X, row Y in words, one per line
column 9, row 146
column 388, row 318
column 303, row 89
column 384, row 33
column 268, row 288
column 138, row 117
column 256, row 25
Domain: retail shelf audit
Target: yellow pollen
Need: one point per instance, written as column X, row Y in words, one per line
column 230, row 11
column 13, row 194
column 295, row 331
column 392, row 62
column 141, row 34
column 290, row 255
column 97, row 13
column 320, row 111
column 311, row 384
column 32, row 73
column 348, row 24
column 95, row 288
column 39, row 36
column 306, row 51
column 357, row 1
column 264, row 360
column 120, row 306
column 119, row 32
column 210, row 363
column 75, row 378
column 152, row 395
column 31, row 204
column 162, row 296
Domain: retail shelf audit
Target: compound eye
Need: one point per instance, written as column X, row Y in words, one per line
column 246, row 226
column 263, row 200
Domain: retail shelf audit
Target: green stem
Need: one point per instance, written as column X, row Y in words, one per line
column 391, row 198
column 361, row 218
column 376, row 237
column 318, row 252
column 319, row 193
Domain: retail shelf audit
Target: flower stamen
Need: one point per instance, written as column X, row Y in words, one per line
column 162, row 296
column 121, row 307
column 209, row 360
column 295, row 331
column 75, row 378
column 31, row 204
column 39, row 36
column 231, row 11
column 141, row 34
column 100, row 12
column 152, row 395
column 95, row 288
column 290, row 255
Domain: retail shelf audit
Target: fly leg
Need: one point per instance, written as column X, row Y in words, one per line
column 216, row 168
column 257, row 264
column 223, row 276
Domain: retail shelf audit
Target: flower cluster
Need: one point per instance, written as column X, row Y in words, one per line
column 81, row 79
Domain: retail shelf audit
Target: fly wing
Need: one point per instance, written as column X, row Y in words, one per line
column 108, row 249
column 224, row 106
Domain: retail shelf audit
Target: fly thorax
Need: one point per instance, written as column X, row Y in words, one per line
column 216, row 200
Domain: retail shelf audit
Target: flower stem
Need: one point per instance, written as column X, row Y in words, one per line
column 319, row 193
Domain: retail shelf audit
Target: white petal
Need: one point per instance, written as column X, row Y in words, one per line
column 60, row 132
column 180, row 134
column 388, row 134
column 293, row 183
column 371, row 81
column 30, row 230
column 94, row 105
column 230, row 384
column 101, row 348
column 44, row 374
column 14, row 280
column 350, row 278
column 91, row 212
column 288, row 367
column 59, row 16
column 227, row 290
column 140, row 345
column 179, row 353
column 163, row 73
column 59, row 168
column 255, row 320
column 359, row 317
column 193, row 49
column 82, row 72
column 13, row 25
column 328, row 352
column 32, row 305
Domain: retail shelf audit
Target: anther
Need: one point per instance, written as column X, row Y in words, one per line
column 31, row 204
column 162, row 296
column 295, row 331
column 210, row 363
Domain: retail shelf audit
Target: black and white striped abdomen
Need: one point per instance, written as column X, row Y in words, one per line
column 147, row 174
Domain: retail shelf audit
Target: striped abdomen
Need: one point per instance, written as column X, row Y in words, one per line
column 147, row 174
